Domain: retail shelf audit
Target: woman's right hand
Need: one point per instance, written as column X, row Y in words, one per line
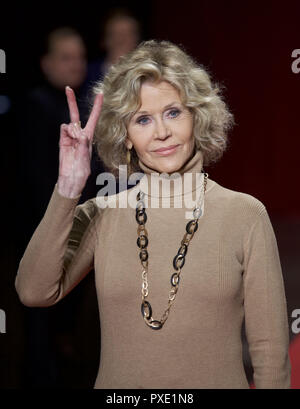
column 75, row 148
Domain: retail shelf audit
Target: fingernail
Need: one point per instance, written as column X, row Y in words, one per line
column 67, row 87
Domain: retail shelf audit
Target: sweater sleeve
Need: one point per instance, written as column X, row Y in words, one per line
column 60, row 252
column 265, row 307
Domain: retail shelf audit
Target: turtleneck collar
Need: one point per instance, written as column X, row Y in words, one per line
column 173, row 188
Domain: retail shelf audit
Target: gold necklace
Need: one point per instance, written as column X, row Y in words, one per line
column 178, row 261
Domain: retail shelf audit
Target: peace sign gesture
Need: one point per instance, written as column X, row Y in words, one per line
column 75, row 146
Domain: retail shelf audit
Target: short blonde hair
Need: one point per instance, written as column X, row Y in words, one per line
column 159, row 61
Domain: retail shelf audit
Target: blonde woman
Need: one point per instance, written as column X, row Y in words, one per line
column 179, row 260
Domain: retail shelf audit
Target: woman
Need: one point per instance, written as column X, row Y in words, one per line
column 200, row 256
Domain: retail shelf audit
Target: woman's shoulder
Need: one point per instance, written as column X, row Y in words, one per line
column 236, row 203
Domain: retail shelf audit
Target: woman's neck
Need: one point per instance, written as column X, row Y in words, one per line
column 175, row 186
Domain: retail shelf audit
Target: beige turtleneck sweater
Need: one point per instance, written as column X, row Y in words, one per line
column 232, row 271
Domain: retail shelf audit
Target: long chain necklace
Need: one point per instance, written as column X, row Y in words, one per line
column 178, row 261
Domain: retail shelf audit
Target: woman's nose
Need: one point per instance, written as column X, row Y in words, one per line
column 161, row 130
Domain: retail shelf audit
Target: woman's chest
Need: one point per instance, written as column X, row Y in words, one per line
column 210, row 269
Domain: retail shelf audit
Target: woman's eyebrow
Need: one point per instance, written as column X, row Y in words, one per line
column 166, row 107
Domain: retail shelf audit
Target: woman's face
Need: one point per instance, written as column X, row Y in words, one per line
column 161, row 132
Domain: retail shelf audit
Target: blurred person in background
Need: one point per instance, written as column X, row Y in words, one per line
column 62, row 63
column 120, row 33
column 39, row 115
column 65, row 59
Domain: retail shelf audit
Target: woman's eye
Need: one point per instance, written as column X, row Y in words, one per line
column 174, row 113
column 142, row 120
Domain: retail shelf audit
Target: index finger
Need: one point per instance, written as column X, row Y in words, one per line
column 73, row 108
column 92, row 121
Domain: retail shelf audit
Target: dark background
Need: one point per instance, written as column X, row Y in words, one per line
column 247, row 47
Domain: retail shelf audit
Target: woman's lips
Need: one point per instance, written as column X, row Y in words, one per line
column 167, row 151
